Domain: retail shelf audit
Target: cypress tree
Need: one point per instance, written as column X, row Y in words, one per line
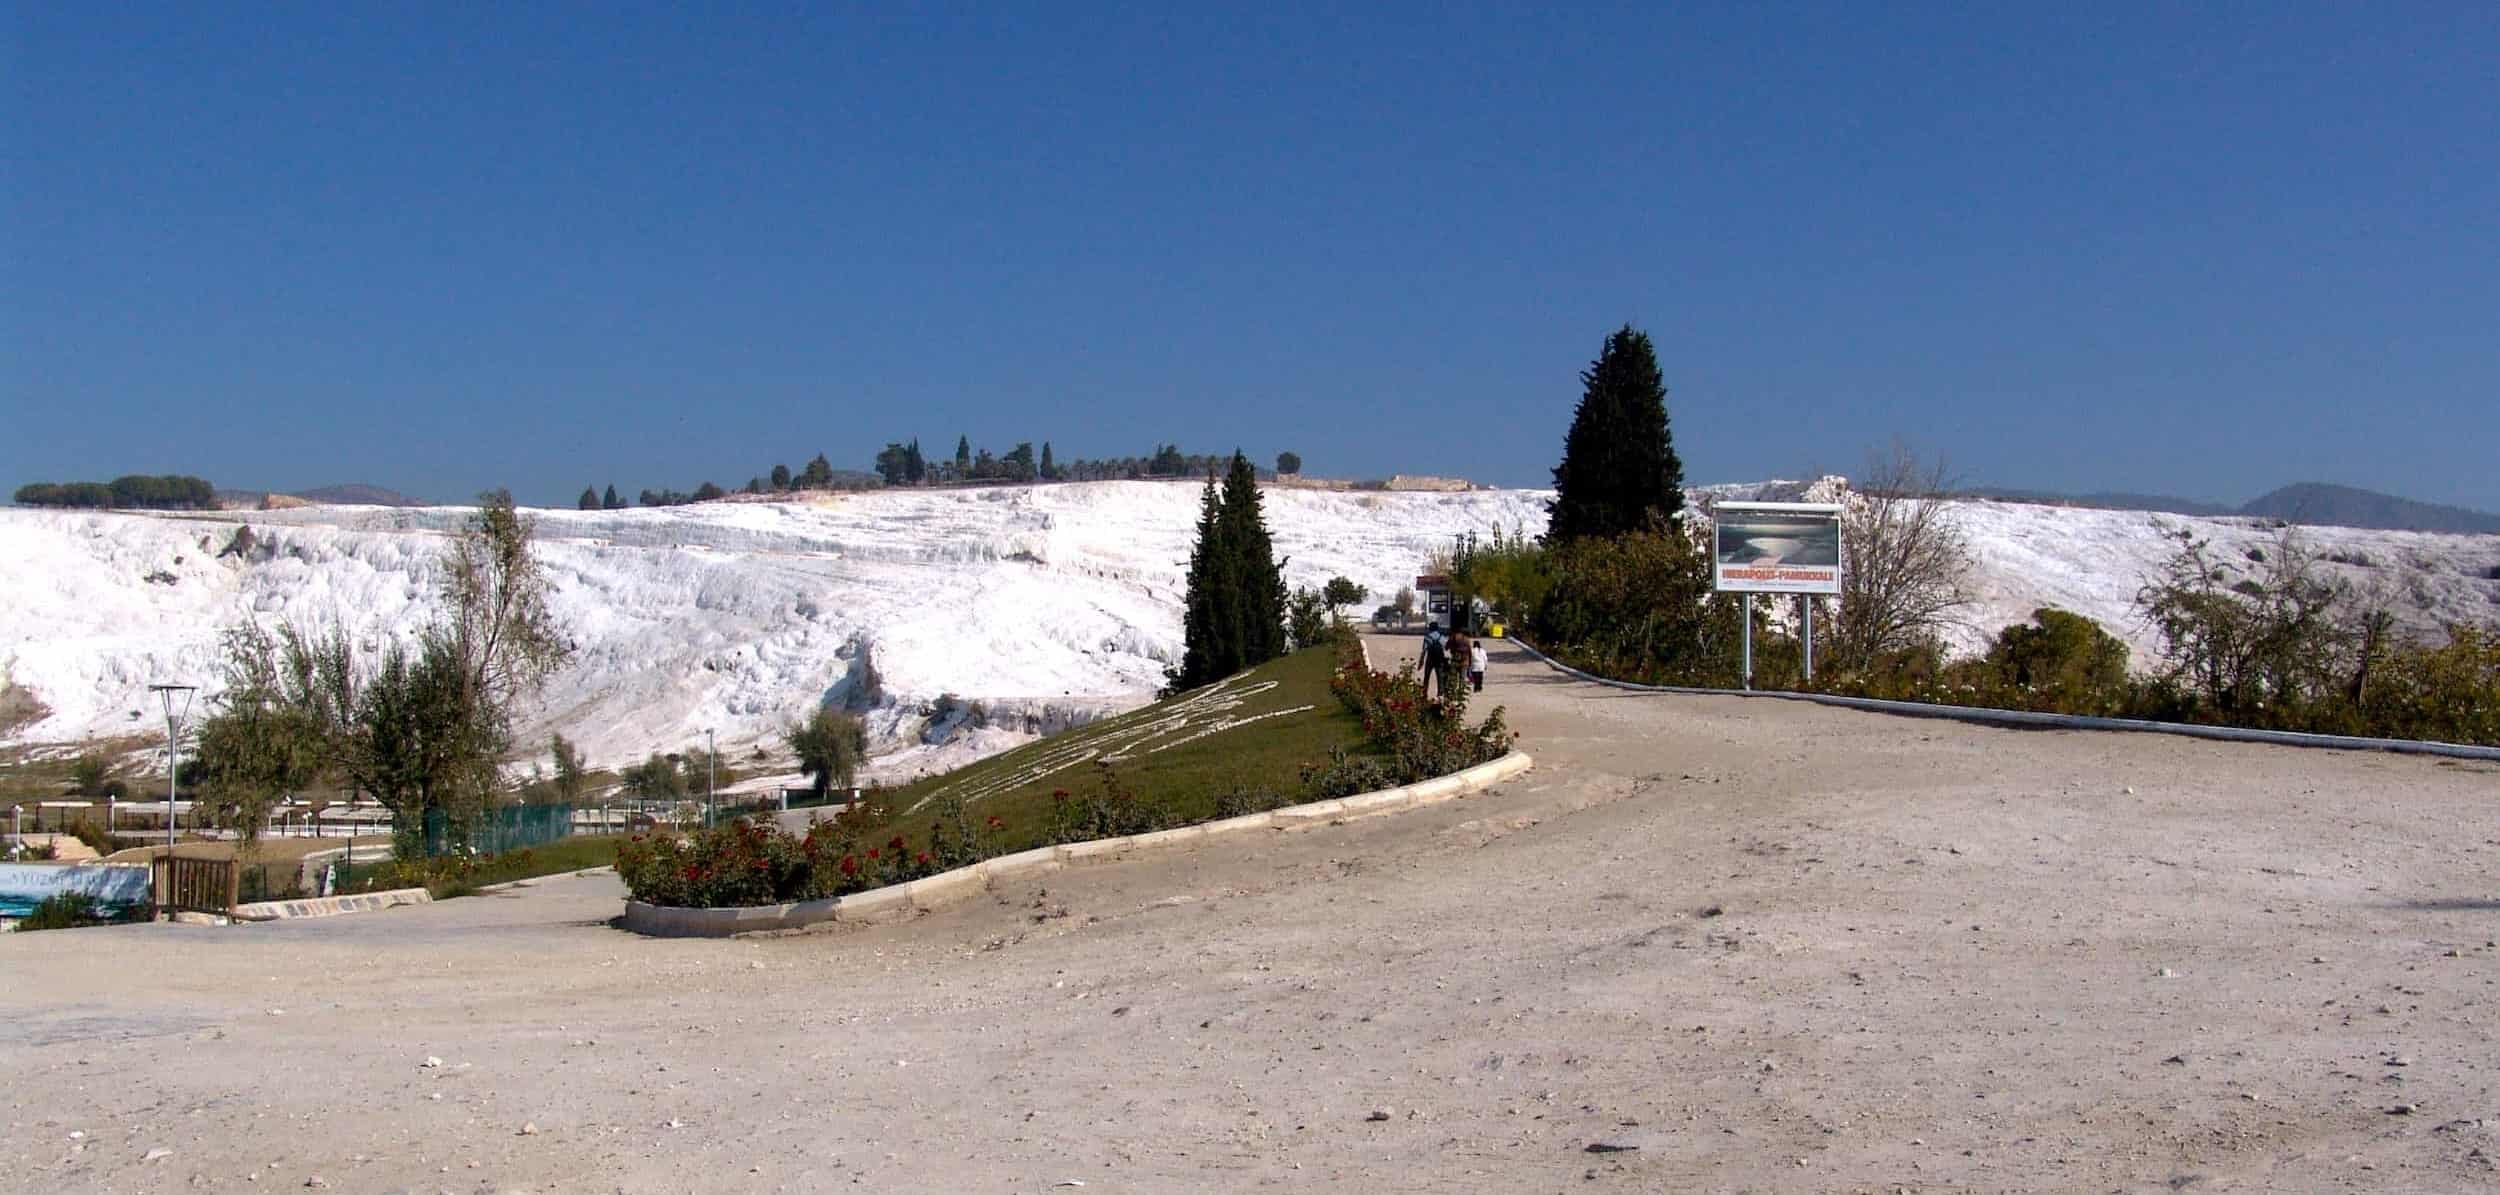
column 963, row 457
column 590, row 499
column 914, row 468
column 1233, row 615
column 1619, row 464
column 1050, row 471
column 611, row 501
column 1257, row 575
column 1206, row 642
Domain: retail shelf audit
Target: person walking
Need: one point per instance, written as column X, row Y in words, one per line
column 1436, row 658
column 1476, row 656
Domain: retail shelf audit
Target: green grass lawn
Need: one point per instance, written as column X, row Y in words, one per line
column 1249, row 734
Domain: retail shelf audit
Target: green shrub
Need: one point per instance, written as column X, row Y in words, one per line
column 2058, row 662
column 1110, row 811
column 93, row 835
column 72, row 910
column 1344, row 775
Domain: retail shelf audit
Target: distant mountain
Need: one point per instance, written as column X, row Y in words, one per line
column 328, row 495
column 2310, row 502
column 2344, row 506
column 2105, row 500
column 359, row 495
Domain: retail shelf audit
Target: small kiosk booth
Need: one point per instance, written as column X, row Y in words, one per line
column 1433, row 594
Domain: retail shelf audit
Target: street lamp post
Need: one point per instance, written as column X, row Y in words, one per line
column 177, row 701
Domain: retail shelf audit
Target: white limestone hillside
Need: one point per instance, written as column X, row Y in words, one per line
column 1049, row 604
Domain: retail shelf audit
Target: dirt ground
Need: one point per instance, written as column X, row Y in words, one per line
column 1708, row 944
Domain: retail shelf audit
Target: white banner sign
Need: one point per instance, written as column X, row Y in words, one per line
column 1776, row 547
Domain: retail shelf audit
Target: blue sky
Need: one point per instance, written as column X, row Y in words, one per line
column 2195, row 249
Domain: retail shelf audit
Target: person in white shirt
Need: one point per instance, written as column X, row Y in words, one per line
column 1475, row 665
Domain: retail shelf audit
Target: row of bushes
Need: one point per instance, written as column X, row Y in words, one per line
column 744, row 862
column 137, row 491
column 2262, row 640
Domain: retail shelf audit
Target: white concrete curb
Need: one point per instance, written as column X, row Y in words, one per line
column 898, row 901
column 330, row 906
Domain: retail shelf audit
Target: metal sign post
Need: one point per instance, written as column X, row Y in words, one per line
column 1747, row 618
column 1807, row 600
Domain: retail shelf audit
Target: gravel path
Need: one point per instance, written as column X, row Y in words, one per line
column 1709, row 944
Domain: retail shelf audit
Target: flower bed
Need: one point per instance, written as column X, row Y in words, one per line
column 751, row 865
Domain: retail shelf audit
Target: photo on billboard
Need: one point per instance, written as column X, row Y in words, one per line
column 1776, row 548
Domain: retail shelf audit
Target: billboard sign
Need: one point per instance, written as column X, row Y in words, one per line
column 1776, row 547
column 115, row 887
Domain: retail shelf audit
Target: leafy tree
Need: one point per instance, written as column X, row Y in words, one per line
column 92, row 776
column 2271, row 641
column 1017, row 465
column 1341, row 592
column 755, row 485
column 1639, row 606
column 590, row 499
column 259, row 746
column 571, row 769
column 1619, row 466
column 830, row 745
column 424, row 730
column 894, row 464
column 656, row 778
column 1307, row 618
column 610, row 501
column 819, row 474
column 1404, row 604
column 1290, row 462
column 706, row 492
column 781, row 478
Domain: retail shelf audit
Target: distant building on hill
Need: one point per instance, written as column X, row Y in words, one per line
column 1419, row 483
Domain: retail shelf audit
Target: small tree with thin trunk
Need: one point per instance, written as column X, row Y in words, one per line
column 830, row 745
column 1905, row 565
column 1341, row 592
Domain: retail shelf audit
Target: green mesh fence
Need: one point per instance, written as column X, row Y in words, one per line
column 503, row 828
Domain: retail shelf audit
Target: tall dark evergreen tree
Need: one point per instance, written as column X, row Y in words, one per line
column 1206, row 640
column 781, row 477
column 1050, row 469
column 1261, row 576
column 1619, row 464
column 590, row 499
column 611, row 501
column 963, row 457
column 915, row 470
column 1233, row 616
